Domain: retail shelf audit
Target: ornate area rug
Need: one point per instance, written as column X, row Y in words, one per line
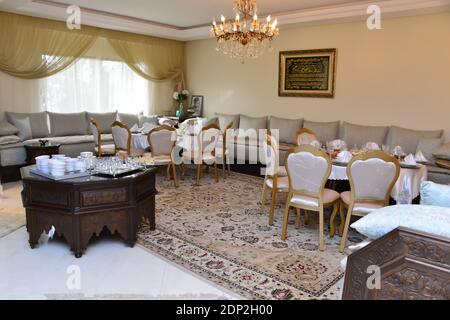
column 11, row 219
column 215, row 230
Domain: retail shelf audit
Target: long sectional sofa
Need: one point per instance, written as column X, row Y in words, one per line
column 71, row 130
column 431, row 143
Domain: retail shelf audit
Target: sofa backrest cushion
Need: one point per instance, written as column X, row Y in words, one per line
column 148, row 119
column 103, row 120
column 225, row 119
column 38, row 124
column 409, row 139
column 428, row 146
column 325, row 131
column 358, row 135
column 246, row 122
column 287, row 128
column 443, row 152
column 129, row 119
column 7, row 129
column 67, row 124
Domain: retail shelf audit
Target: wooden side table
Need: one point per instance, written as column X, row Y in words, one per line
column 36, row 150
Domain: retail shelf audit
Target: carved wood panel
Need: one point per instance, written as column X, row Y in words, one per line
column 100, row 197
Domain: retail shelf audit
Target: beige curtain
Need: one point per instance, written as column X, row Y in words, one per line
column 33, row 48
column 154, row 59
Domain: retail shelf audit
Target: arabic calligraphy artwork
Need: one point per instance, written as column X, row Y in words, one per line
column 307, row 73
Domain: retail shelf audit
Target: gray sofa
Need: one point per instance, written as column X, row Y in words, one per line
column 71, row 130
column 429, row 142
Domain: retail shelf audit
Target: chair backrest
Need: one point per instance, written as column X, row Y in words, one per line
column 96, row 132
column 271, row 155
column 209, row 138
column 162, row 140
column 372, row 176
column 308, row 170
column 304, row 136
column 122, row 136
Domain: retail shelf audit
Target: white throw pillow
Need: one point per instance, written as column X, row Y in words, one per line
column 429, row 219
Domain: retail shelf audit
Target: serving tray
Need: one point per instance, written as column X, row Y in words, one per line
column 66, row 176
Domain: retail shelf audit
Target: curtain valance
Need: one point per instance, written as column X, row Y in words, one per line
column 33, row 48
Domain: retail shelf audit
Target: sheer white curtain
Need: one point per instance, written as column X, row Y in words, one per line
column 96, row 86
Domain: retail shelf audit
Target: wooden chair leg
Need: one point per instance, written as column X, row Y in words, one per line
column 347, row 224
column 321, row 237
column 342, row 216
column 332, row 218
column 174, row 170
column 306, row 218
column 224, row 171
column 216, row 173
column 168, row 172
column 182, row 168
column 298, row 218
column 263, row 197
column 229, row 167
column 272, row 206
column 199, row 169
column 285, row 222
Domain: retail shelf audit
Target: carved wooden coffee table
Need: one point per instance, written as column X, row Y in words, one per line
column 79, row 208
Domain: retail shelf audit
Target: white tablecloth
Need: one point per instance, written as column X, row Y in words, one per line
column 409, row 180
column 140, row 141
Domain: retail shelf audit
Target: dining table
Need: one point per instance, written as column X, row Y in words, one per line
column 408, row 182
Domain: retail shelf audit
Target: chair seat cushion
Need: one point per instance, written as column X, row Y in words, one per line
column 162, row 160
column 329, row 196
column 360, row 207
column 282, row 183
column 107, row 149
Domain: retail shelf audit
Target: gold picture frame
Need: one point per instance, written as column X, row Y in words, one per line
column 307, row 73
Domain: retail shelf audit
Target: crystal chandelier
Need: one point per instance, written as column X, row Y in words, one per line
column 245, row 37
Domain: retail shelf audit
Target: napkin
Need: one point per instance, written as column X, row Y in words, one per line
column 134, row 128
column 397, row 151
column 316, row 144
column 409, row 159
column 420, row 157
column 371, row 146
column 344, row 156
column 338, row 144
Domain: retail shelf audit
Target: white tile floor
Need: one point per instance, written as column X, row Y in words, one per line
column 109, row 269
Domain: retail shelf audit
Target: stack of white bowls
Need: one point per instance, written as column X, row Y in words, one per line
column 57, row 167
column 70, row 164
column 80, row 165
column 42, row 163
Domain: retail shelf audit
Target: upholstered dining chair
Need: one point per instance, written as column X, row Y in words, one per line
column 304, row 136
column 276, row 179
column 162, row 141
column 308, row 170
column 203, row 152
column 101, row 149
column 372, row 176
column 222, row 151
column 122, row 139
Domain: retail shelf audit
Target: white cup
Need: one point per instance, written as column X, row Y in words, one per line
column 58, row 156
column 86, row 154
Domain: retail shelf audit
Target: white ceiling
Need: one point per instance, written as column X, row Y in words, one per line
column 189, row 19
column 188, row 13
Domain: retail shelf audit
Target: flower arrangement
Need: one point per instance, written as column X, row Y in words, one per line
column 181, row 96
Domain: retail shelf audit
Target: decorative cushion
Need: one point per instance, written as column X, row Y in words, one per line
column 409, row 139
column 7, row 129
column 434, row 194
column 104, row 120
column 325, row 131
column 430, row 219
column 287, row 128
column 246, row 122
column 358, row 135
column 24, row 127
column 443, row 152
column 148, row 119
column 67, row 124
column 129, row 119
column 9, row 139
column 428, row 146
column 38, row 123
column 225, row 119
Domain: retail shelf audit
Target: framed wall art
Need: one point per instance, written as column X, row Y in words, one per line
column 307, row 73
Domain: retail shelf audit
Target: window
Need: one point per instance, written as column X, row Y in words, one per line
column 96, row 86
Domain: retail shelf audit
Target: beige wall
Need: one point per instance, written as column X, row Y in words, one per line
column 398, row 75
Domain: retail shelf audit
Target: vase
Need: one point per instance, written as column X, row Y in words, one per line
column 181, row 114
